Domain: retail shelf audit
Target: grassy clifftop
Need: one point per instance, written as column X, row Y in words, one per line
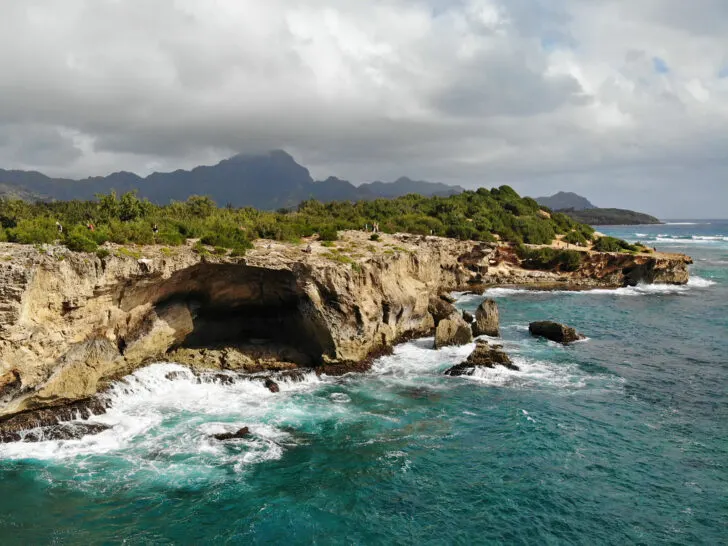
column 482, row 215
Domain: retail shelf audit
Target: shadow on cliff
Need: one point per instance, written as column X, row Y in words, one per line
column 213, row 306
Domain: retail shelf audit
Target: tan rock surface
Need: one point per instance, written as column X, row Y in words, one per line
column 72, row 322
column 487, row 319
column 452, row 331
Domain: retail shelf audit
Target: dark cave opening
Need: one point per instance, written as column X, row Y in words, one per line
column 272, row 329
column 258, row 311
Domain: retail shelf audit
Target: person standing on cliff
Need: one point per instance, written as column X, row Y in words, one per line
column 59, row 227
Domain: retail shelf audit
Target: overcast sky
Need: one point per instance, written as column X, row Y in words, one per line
column 623, row 101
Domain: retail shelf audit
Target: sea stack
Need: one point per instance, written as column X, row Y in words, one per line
column 452, row 331
column 487, row 320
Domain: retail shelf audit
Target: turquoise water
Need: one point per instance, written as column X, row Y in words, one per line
column 619, row 439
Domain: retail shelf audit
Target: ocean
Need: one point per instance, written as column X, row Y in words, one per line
column 618, row 439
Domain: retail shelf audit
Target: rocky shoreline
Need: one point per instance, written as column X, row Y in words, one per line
column 72, row 323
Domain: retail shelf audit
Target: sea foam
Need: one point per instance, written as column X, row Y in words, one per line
column 639, row 290
column 166, row 410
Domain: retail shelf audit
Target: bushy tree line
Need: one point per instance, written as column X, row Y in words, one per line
column 480, row 215
column 549, row 258
column 612, row 244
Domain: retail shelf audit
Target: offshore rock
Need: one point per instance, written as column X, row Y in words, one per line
column 271, row 385
column 485, row 356
column 554, row 331
column 241, row 433
column 487, row 320
column 452, row 331
column 468, row 317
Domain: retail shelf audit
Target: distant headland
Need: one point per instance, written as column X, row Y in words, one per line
column 582, row 210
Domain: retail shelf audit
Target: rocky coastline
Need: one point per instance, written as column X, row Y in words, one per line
column 72, row 323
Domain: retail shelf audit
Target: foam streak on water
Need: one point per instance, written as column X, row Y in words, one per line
column 695, row 282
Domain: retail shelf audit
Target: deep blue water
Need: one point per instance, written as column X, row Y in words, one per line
column 621, row 439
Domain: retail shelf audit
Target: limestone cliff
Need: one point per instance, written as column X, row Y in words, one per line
column 71, row 322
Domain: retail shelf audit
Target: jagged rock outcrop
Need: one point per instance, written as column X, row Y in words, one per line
column 613, row 269
column 483, row 356
column 45, row 421
column 61, row 431
column 70, row 323
column 452, row 331
column 440, row 309
column 554, row 331
column 224, row 436
column 487, row 319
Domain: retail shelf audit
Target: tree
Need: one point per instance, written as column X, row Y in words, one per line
column 131, row 207
column 200, row 206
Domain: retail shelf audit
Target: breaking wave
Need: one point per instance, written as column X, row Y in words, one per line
column 170, row 414
column 639, row 290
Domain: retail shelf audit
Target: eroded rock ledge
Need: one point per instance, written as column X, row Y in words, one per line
column 70, row 323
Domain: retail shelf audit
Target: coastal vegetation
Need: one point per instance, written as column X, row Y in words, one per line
column 612, row 244
column 499, row 214
column 549, row 258
column 610, row 217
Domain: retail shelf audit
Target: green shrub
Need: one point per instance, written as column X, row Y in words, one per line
column 338, row 257
column 102, row 253
column 78, row 240
column 612, row 244
column 549, row 258
column 374, row 237
column 328, row 233
column 576, row 238
column 200, row 249
column 32, row 231
column 123, row 251
column 128, row 220
column 170, row 237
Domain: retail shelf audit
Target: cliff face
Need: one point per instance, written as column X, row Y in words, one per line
column 71, row 322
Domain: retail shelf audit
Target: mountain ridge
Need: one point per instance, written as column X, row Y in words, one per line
column 264, row 181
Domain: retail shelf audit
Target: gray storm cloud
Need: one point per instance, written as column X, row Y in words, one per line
column 625, row 102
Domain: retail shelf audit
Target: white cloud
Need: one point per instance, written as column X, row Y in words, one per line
column 551, row 95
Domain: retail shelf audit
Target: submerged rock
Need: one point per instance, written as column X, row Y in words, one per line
column 61, row 431
column 241, row 433
column 15, row 427
column 468, row 317
column 487, row 320
column 453, row 331
column 554, row 331
column 484, row 356
column 271, row 385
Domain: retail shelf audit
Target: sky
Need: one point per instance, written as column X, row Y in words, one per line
column 622, row 101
